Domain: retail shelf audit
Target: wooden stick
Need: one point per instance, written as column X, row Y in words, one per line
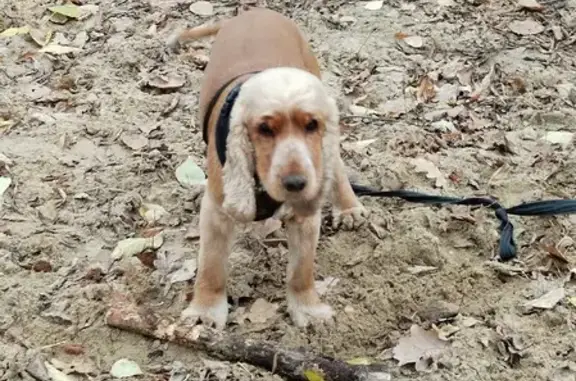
column 290, row 364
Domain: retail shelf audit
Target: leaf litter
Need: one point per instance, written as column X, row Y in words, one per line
column 132, row 246
column 419, row 347
column 189, row 173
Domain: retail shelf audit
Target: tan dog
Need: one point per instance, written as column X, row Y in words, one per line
column 273, row 146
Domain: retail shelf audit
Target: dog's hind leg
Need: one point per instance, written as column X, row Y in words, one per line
column 304, row 304
column 209, row 303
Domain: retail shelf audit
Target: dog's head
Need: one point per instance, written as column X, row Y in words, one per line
column 284, row 128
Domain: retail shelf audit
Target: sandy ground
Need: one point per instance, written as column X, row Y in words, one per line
column 465, row 98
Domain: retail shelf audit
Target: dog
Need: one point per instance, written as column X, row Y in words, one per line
column 273, row 149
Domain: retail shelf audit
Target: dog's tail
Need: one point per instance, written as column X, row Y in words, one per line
column 181, row 36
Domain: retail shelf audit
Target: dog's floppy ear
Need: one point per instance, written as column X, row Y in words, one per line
column 331, row 142
column 238, row 172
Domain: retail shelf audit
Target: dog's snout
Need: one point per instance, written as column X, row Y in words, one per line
column 294, row 183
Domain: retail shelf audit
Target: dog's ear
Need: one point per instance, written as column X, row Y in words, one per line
column 331, row 141
column 238, row 172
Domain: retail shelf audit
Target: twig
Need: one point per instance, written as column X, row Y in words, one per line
column 290, row 364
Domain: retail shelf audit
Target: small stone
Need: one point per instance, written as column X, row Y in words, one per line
column 439, row 310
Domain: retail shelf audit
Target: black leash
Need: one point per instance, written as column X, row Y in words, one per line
column 507, row 246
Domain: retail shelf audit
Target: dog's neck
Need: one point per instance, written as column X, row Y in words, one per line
column 266, row 206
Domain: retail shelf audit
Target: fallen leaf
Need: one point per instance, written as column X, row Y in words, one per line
column 166, row 264
column 484, row 85
column 531, row 5
column 526, row 28
column 134, row 141
column 426, row 89
column 572, row 301
column 548, row 300
column 124, row 368
column 360, row 361
column 267, row 227
column 166, row 82
column 218, row 369
column 445, row 331
column 562, row 138
column 323, row 286
column 4, row 185
column 11, row 32
column 446, row 3
column 421, row 344
column 261, row 311
column 70, row 10
column 152, row 213
column 184, row 273
column 422, row 165
column 55, row 374
column 5, row 161
column 77, row 365
column 189, row 173
column 414, row 41
column 42, row 266
column 73, row 349
column 416, row 270
column 40, row 37
column 36, row 367
column 132, row 246
column 360, row 110
column 357, row 146
column 202, row 8
column 59, row 49
column 468, row 322
column 147, row 258
column 374, row 5
column 313, row 375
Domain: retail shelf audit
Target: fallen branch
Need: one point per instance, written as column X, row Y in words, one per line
column 290, row 364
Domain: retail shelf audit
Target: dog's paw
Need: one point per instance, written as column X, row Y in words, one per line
column 304, row 314
column 349, row 219
column 213, row 316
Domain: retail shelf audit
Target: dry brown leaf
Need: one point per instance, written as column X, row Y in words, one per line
column 555, row 253
column 261, row 311
column 526, row 28
column 531, row 5
column 267, row 227
column 426, row 90
column 166, row 82
column 374, row 5
column 422, row 165
column 420, row 345
column 414, row 41
column 134, row 141
column 73, row 349
column 400, row 35
column 548, row 300
column 202, row 8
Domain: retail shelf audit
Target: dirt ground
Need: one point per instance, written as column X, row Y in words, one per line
column 461, row 98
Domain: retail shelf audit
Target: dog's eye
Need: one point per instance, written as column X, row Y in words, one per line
column 264, row 129
column 312, row 125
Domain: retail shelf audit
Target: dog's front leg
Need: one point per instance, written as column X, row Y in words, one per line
column 304, row 303
column 347, row 209
column 210, row 304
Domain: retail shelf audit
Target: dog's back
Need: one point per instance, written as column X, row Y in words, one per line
column 253, row 41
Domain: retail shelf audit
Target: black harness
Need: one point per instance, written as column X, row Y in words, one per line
column 266, row 206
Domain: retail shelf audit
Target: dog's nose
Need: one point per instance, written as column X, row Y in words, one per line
column 294, row 183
